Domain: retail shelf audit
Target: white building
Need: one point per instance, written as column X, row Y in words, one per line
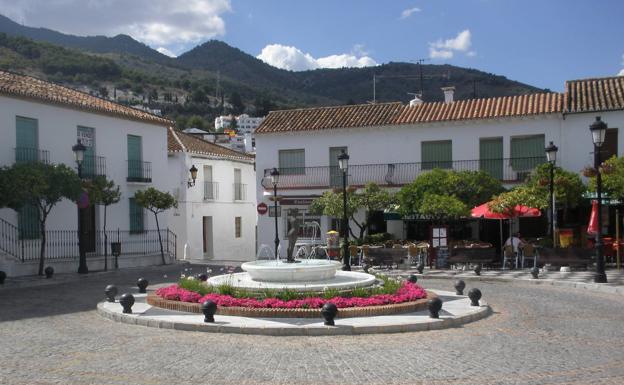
column 216, row 216
column 41, row 121
column 246, row 124
column 392, row 143
column 223, row 121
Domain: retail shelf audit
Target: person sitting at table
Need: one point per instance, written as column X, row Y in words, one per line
column 515, row 241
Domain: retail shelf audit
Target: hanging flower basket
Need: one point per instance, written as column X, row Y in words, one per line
column 589, row 172
column 606, row 168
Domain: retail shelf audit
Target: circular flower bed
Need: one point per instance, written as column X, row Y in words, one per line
column 407, row 292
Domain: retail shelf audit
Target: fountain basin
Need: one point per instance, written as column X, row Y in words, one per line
column 307, row 270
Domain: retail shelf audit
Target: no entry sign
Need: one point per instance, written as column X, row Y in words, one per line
column 262, row 208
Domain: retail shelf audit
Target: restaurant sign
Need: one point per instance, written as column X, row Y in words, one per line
column 296, row 201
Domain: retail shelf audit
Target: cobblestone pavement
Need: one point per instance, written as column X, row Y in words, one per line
column 537, row 335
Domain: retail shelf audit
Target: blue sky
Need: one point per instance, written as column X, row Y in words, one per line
column 541, row 43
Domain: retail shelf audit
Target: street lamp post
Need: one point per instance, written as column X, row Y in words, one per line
column 343, row 163
column 79, row 151
column 598, row 130
column 275, row 180
column 193, row 171
column 551, row 156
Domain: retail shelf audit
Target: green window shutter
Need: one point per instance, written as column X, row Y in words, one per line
column 28, row 222
column 335, row 174
column 491, row 157
column 87, row 138
column 527, row 152
column 135, row 158
column 26, row 140
column 436, row 154
column 292, row 162
column 136, row 217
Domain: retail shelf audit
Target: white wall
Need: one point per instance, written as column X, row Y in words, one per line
column 57, row 127
column 187, row 220
column 397, row 144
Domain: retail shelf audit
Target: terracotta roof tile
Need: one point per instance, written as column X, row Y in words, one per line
column 599, row 94
column 311, row 119
column 180, row 142
column 12, row 84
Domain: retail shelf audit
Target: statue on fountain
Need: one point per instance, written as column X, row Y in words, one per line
column 293, row 233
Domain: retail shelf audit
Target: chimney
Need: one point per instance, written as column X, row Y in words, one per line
column 416, row 101
column 448, row 94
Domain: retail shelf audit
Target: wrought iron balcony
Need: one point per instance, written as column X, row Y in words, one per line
column 211, row 190
column 240, row 191
column 29, row 155
column 139, row 171
column 93, row 166
column 507, row 170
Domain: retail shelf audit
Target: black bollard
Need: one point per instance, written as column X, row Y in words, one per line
column 49, row 272
column 142, row 284
column 209, row 308
column 434, row 305
column 459, row 287
column 111, row 292
column 474, row 295
column 477, row 270
column 3, row 276
column 329, row 311
column 127, row 300
column 413, row 278
column 535, row 272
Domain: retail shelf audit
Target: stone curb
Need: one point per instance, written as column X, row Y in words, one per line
column 316, row 330
column 349, row 312
column 602, row 288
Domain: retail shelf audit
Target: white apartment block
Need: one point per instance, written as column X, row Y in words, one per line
column 391, row 143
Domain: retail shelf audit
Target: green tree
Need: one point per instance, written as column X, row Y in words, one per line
column 104, row 192
column 156, row 201
column 237, row 103
column 443, row 207
column 371, row 198
column 196, row 121
column 471, row 188
column 568, row 186
column 523, row 195
column 42, row 186
column 612, row 178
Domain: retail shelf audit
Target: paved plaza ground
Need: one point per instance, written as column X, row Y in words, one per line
column 538, row 334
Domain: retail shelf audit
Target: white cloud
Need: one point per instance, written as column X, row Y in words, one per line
column 165, row 51
column 292, row 58
column 440, row 54
column 156, row 22
column 445, row 49
column 621, row 73
column 408, row 12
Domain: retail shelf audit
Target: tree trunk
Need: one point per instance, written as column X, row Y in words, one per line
column 162, row 251
column 43, row 243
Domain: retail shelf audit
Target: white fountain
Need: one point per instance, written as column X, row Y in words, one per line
column 266, row 272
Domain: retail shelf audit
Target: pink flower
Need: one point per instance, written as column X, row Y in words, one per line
column 406, row 293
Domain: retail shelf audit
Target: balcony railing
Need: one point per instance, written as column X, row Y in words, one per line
column 93, row 166
column 29, row 155
column 139, row 171
column 507, row 170
column 240, row 191
column 211, row 190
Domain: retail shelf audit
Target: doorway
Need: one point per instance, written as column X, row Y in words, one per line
column 207, row 236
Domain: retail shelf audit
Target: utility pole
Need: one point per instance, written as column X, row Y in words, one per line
column 422, row 87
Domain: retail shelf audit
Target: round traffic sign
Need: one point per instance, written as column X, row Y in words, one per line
column 262, row 208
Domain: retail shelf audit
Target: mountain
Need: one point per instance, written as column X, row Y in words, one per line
column 215, row 78
column 96, row 44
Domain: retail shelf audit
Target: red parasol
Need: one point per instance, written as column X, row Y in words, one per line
column 592, row 229
column 483, row 211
